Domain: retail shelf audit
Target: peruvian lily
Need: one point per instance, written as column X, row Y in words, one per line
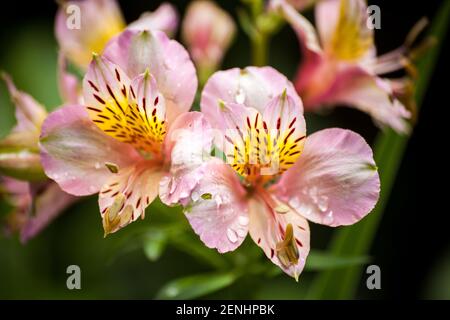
column 119, row 143
column 35, row 199
column 207, row 32
column 343, row 69
column 275, row 178
column 83, row 27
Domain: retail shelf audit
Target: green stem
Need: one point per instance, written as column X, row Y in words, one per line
column 260, row 50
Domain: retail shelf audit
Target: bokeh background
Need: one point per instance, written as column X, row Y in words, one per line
column 411, row 246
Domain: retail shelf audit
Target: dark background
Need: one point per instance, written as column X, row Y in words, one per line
column 411, row 246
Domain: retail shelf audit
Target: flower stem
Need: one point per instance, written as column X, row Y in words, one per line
column 260, row 50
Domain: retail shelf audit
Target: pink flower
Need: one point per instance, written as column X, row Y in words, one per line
column 275, row 178
column 207, row 32
column 120, row 142
column 83, row 27
column 36, row 201
column 341, row 67
column 34, row 205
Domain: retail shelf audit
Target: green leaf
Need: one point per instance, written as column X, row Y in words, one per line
column 389, row 148
column 319, row 260
column 192, row 287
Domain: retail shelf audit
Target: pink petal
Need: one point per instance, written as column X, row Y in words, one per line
column 343, row 30
column 48, row 205
column 334, row 182
column 126, row 194
column 165, row 19
column 303, row 28
column 284, row 113
column 69, row 86
column 207, row 31
column 29, row 113
column 326, row 18
column 218, row 212
column 75, row 152
column 268, row 230
column 35, row 205
column 357, row 88
column 167, row 61
column 187, row 147
column 254, row 87
column 100, row 20
column 105, row 92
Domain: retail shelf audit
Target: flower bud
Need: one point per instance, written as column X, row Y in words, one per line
column 207, row 31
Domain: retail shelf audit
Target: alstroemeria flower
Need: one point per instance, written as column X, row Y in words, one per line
column 35, row 199
column 99, row 21
column 207, row 32
column 342, row 68
column 275, row 178
column 119, row 143
column 34, row 205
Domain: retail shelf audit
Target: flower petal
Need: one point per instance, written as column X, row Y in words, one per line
column 207, row 31
column 254, row 87
column 165, row 19
column 286, row 128
column 283, row 235
column 48, row 204
column 29, row 114
column 218, row 212
column 326, row 18
column 126, row 195
column 303, row 28
column 351, row 39
column 146, row 114
column 370, row 94
column 335, row 181
column 76, row 154
column 167, row 61
column 83, row 27
column 187, row 147
column 105, row 91
column 68, row 83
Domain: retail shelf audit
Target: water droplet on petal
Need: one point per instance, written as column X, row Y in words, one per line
column 329, row 218
column 322, row 203
column 243, row 220
column 231, row 235
column 240, row 96
column 195, row 195
column 184, row 194
column 241, row 232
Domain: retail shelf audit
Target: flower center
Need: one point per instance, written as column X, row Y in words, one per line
column 130, row 119
column 259, row 154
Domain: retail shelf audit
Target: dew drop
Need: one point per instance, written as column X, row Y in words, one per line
column 241, row 232
column 240, row 96
column 184, row 194
column 231, row 235
column 243, row 220
column 329, row 218
column 322, row 203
